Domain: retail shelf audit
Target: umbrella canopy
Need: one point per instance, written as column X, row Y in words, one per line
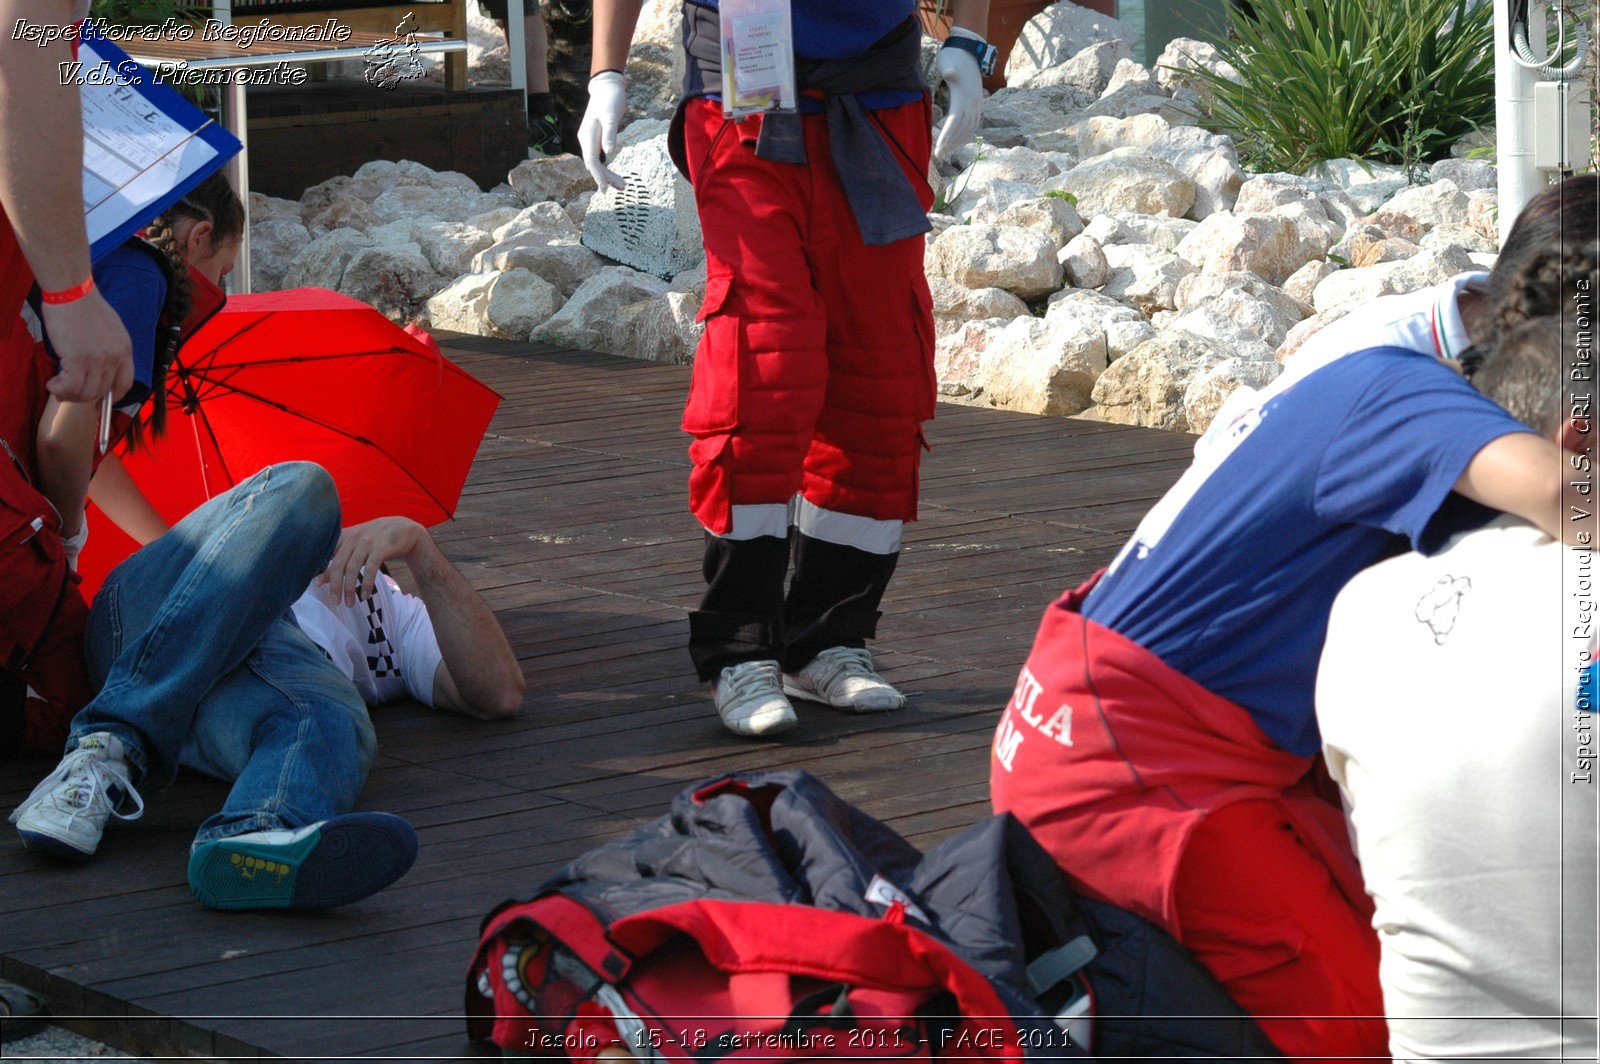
column 307, row 374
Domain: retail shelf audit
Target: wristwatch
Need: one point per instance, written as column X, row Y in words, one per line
column 986, row 54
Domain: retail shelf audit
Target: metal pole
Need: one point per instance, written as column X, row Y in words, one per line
column 236, row 117
column 1519, row 179
column 517, row 45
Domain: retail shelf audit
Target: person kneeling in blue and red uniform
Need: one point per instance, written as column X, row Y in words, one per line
column 1162, row 743
column 816, row 369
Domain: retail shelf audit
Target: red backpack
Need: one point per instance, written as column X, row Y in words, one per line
column 713, row 980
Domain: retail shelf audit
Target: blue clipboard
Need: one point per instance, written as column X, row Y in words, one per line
column 145, row 146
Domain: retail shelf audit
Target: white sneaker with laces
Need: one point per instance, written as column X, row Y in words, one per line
column 67, row 813
column 843, row 677
column 749, row 698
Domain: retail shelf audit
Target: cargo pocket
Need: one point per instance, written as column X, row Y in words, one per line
column 713, row 405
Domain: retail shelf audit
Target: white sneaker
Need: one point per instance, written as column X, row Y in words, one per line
column 749, row 698
column 843, row 678
column 67, row 813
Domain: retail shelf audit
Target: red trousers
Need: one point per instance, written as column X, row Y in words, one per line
column 1161, row 797
column 816, row 367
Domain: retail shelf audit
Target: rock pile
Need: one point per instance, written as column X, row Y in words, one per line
column 1098, row 253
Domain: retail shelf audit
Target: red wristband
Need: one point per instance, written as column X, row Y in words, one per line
column 69, row 295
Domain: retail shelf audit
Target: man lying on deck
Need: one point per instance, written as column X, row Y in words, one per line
column 1450, row 719
column 1161, row 739
column 216, row 651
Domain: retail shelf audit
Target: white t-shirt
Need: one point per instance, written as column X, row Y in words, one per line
column 385, row 644
column 1447, row 703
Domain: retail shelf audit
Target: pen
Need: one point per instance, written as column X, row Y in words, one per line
column 105, row 423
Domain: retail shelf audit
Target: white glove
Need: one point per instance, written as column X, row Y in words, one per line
column 74, row 544
column 597, row 134
column 960, row 73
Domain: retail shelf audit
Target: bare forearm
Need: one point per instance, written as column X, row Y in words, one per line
column 41, row 147
column 65, row 457
column 115, row 492
column 614, row 23
column 971, row 15
column 474, row 648
column 1523, row 475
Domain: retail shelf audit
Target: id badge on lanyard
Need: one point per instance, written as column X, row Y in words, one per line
column 757, row 57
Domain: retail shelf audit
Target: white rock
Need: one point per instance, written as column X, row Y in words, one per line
column 1089, row 71
column 1440, row 203
column 663, row 329
column 340, row 212
column 599, row 313
column 1030, row 111
column 1213, row 386
column 1461, row 237
column 1134, row 99
column 1128, row 179
column 655, row 80
column 1210, row 160
column 953, row 305
column 1020, row 166
column 1406, row 275
column 997, row 199
column 1265, row 244
column 548, row 220
column 1301, row 333
column 448, row 203
column 1147, row 386
column 1096, row 308
column 1302, row 284
column 504, row 303
column 1058, row 33
column 1107, row 230
column 491, row 220
column 450, row 247
column 1469, row 175
column 1043, row 366
column 1166, row 233
column 1243, row 325
column 273, row 208
column 958, row 360
column 1085, row 262
column 651, row 224
column 1265, row 192
column 1368, row 184
column 321, row 263
column 1051, row 215
column 1144, row 276
column 578, row 208
column 1200, row 288
column 394, row 278
column 1128, row 73
column 1483, row 214
column 660, row 22
column 1096, row 136
column 274, row 243
column 560, row 177
column 1123, row 336
column 1479, row 145
column 564, row 263
column 1021, row 261
column 1182, row 56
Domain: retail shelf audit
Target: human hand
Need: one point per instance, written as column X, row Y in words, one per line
column 93, row 346
column 597, row 134
column 961, row 75
column 352, row 575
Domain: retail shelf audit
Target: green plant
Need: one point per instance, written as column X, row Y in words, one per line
column 1062, row 194
column 1329, row 79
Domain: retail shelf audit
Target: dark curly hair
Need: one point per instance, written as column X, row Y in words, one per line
column 1554, row 243
column 212, row 200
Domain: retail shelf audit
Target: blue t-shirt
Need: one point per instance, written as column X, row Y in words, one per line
column 131, row 281
column 1231, row 577
column 838, row 29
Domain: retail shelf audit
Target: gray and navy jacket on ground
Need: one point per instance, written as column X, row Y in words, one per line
column 991, row 895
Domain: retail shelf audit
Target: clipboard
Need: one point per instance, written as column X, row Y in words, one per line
column 144, row 145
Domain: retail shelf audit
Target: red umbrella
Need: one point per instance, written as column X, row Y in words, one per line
column 307, row 374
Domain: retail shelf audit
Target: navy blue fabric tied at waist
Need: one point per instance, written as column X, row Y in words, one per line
column 881, row 196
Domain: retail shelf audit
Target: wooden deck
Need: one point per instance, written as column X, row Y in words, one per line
column 573, row 526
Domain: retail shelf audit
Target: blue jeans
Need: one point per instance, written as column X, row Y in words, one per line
column 202, row 666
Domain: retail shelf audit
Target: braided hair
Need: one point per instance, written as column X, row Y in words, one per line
column 212, row 200
column 1554, row 244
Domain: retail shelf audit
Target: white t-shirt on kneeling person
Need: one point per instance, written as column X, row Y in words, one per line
column 385, row 644
column 1446, row 698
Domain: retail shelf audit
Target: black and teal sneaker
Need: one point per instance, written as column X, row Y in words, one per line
column 329, row 863
column 544, row 129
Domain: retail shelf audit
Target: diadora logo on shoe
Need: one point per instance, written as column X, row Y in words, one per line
column 250, row 867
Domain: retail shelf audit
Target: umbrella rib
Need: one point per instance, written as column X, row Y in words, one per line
column 336, row 430
column 289, row 360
